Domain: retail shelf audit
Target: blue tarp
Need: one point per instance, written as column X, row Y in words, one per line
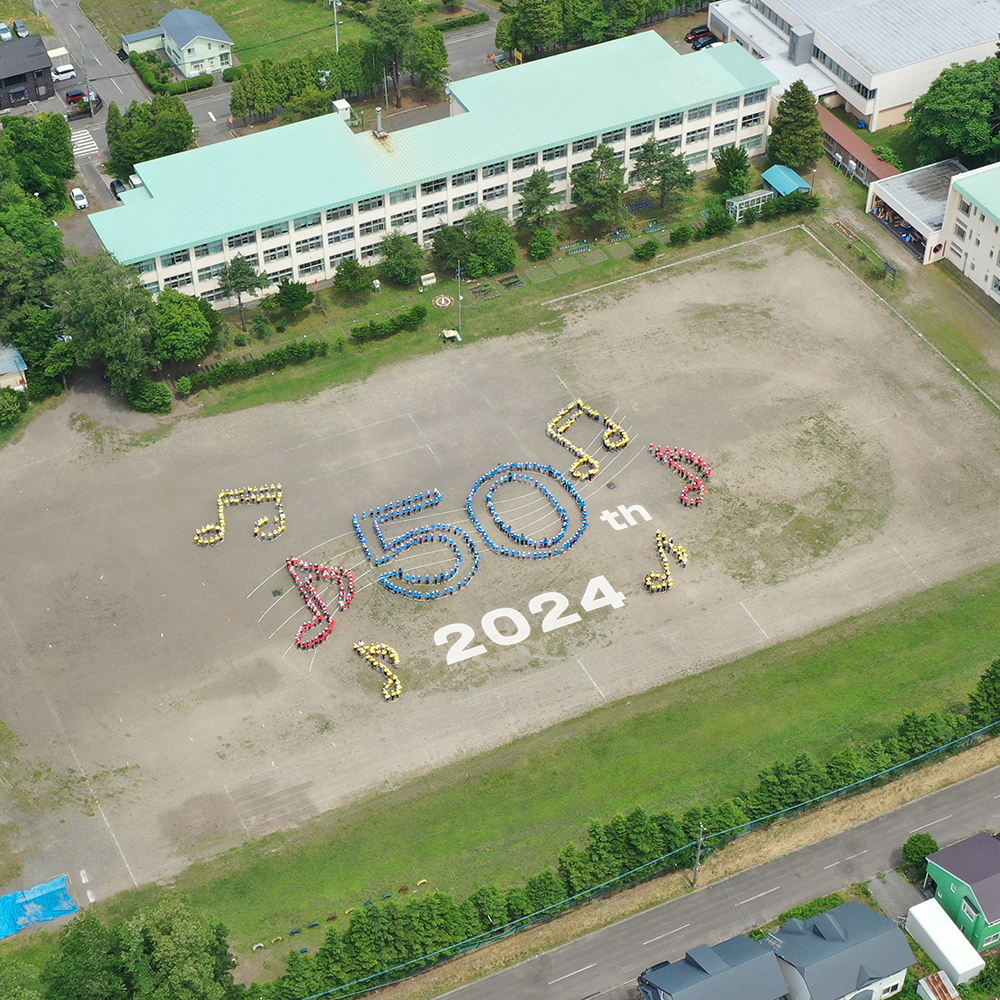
column 784, row 180
column 47, row 901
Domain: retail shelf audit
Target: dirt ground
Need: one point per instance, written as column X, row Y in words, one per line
column 852, row 467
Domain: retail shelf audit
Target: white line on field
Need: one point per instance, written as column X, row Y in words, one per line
column 659, row 937
column 754, row 620
column 592, row 681
column 759, row 894
column 568, row 974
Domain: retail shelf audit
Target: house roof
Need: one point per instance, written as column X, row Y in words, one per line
column 844, row 950
column 856, row 147
column 884, row 35
column 141, row 36
column 23, row 55
column 10, row 357
column 184, row 26
column 284, row 173
column 922, row 194
column 784, row 180
column 982, row 186
column 737, row 969
column 976, row 862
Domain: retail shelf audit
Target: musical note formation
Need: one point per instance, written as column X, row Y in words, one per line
column 614, row 436
column 694, row 492
column 375, row 653
column 657, row 583
column 304, row 574
column 211, row 534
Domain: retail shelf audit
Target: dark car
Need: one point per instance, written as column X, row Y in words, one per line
column 703, row 41
column 116, row 189
column 702, row 29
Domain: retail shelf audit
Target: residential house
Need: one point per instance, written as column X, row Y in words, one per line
column 192, row 41
column 25, row 72
column 967, row 880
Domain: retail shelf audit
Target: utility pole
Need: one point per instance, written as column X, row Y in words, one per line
column 336, row 24
column 697, row 857
column 458, row 274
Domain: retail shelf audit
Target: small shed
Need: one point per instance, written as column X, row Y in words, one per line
column 937, row 986
column 946, row 946
column 12, row 369
column 850, row 152
column 783, row 180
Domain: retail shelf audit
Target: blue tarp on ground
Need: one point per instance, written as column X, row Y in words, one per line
column 784, row 180
column 47, row 901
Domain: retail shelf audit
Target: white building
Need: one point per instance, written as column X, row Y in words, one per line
column 972, row 227
column 946, row 947
column 299, row 199
column 192, row 41
column 874, row 57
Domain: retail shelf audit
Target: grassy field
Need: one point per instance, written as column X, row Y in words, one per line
column 694, row 741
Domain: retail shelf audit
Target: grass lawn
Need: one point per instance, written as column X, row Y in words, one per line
column 696, row 740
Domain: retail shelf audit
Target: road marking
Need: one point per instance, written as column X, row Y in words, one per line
column 932, row 822
column 834, row 865
column 83, row 143
column 759, row 894
column 90, row 896
column 115, row 82
column 660, row 937
column 851, row 857
column 75, row 32
column 568, row 974
column 754, row 620
column 996, row 796
column 96, row 60
column 84, row 878
column 210, row 115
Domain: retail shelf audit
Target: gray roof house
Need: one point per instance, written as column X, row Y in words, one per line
column 192, row 41
column 737, row 969
column 848, row 953
column 25, row 72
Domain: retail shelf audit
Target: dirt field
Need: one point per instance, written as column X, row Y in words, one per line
column 851, row 467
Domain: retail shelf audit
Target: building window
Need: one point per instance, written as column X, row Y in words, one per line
column 341, row 235
column 242, row 239
column 693, row 159
column 752, row 142
column 727, row 105
column 277, row 277
column 207, row 273
column 492, row 193
column 465, row 200
column 582, row 145
column 725, row 128
column 528, row 160
column 964, row 207
column 775, row 19
column 553, row 153
column 752, row 121
column 495, row 169
column 669, row 121
column 703, row 112
column 370, row 204
column 307, row 221
column 996, row 284
column 313, row 267
column 278, row 229
column 968, row 909
column 152, row 286
column 404, row 194
column 277, row 253
column 697, row 135
column 868, row 93
column 178, row 280
column 213, row 295
column 208, row 249
column 177, row 257
column 429, row 187
column 370, row 251
column 643, row 128
column 374, row 226
column 431, row 231
column 341, row 212
column 404, row 218
column 438, row 208
column 145, row 266
column 558, row 175
column 312, row 243
column 754, row 97
column 992, row 939
column 671, row 142
column 466, row 177
column 336, row 258
column 518, row 186
column 959, row 231
column 609, row 137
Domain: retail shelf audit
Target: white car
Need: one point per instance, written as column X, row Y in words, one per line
column 6, row 35
column 79, row 198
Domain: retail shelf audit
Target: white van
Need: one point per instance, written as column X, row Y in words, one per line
column 135, row 180
column 60, row 74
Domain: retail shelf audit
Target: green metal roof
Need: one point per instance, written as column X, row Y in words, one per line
column 284, row 173
column 982, row 186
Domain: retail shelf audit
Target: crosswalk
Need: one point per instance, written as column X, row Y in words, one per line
column 83, row 143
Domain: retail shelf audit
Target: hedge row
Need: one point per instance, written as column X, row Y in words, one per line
column 279, row 357
column 153, row 82
column 463, row 22
column 385, row 326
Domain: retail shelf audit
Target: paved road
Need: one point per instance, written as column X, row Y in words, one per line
column 607, row 962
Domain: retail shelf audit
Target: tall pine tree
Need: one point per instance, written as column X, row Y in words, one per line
column 796, row 132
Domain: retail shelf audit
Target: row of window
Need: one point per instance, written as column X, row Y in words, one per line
column 868, row 93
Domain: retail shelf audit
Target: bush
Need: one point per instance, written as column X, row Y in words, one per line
column 681, row 235
column 184, row 386
column 463, row 22
column 888, row 155
column 385, row 326
column 646, row 250
column 543, row 242
column 12, row 405
column 916, row 849
column 151, row 397
column 240, row 340
column 718, row 221
column 159, row 81
column 279, row 357
column 751, row 215
column 231, row 73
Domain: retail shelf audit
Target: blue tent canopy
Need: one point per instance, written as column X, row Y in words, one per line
column 47, row 901
column 784, row 180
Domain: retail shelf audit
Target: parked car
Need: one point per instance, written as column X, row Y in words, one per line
column 76, row 96
column 703, row 42
column 5, row 33
column 79, row 198
column 21, row 29
column 702, row 29
column 116, row 189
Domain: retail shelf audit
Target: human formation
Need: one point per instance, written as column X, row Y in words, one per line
column 694, row 492
column 585, row 466
column 537, row 548
column 304, row 574
column 375, row 653
column 210, row 534
column 657, row 583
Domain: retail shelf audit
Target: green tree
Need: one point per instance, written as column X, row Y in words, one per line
column 427, row 58
column 662, row 170
column 351, row 278
column 681, row 235
column 733, row 165
column 149, row 131
column 536, row 24
column 916, row 849
column 239, row 277
column 449, row 247
column 504, row 38
column 392, row 27
column 984, row 702
column 113, row 124
column 18, row 980
column 84, row 966
column 537, row 200
column 402, row 258
column 24, row 221
column 41, row 157
column 958, row 114
column 599, row 190
column 311, row 102
column 12, row 404
column 493, row 245
column 796, row 132
column 182, row 332
column 646, row 250
column 294, row 297
column 543, row 242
